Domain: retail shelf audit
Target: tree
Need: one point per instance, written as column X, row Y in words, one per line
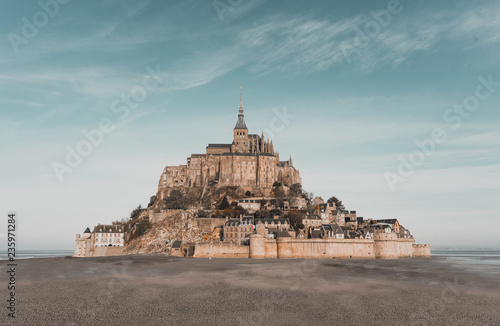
column 278, row 192
column 275, row 211
column 152, row 200
column 276, row 184
column 224, row 204
column 176, row 200
column 338, row 203
column 296, row 189
column 248, row 193
column 295, row 217
column 261, row 214
column 136, row 212
column 238, row 210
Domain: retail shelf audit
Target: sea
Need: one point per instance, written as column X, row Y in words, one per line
column 485, row 259
column 28, row 254
column 475, row 257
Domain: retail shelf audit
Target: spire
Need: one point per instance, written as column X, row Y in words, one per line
column 240, row 124
column 290, row 161
column 241, row 99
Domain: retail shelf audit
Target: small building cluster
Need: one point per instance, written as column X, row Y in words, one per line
column 325, row 222
column 113, row 235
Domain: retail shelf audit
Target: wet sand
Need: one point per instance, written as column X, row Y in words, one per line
column 159, row 290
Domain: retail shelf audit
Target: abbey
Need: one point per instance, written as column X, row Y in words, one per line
column 250, row 162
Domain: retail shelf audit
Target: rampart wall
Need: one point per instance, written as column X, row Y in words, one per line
column 386, row 246
column 220, row 250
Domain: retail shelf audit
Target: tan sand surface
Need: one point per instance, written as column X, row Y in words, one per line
column 160, row 290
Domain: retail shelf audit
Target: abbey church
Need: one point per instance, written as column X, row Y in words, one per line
column 249, row 162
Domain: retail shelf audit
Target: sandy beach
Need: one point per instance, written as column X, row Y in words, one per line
column 160, row 290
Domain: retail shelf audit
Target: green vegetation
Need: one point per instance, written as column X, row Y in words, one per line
column 136, row 212
column 142, row 227
column 176, row 200
column 338, row 203
column 296, row 189
column 224, row 204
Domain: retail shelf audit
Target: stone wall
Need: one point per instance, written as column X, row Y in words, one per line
column 421, row 250
column 167, row 213
column 220, row 250
column 385, row 246
column 108, row 251
column 271, row 248
column 207, row 225
column 405, row 247
column 325, row 248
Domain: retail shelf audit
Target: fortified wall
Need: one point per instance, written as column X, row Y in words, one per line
column 384, row 246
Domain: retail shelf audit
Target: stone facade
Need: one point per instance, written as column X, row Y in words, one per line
column 250, row 162
column 109, row 235
column 84, row 244
column 105, row 240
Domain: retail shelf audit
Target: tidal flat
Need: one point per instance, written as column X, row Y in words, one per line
column 162, row 290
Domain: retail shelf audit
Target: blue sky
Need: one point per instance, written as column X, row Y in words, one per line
column 362, row 91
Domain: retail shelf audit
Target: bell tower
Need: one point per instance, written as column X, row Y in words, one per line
column 240, row 131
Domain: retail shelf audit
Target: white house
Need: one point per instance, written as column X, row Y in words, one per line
column 109, row 235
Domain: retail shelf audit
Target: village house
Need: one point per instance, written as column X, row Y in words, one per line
column 333, row 231
column 238, row 230
column 109, row 235
column 312, row 220
column 250, row 204
column 274, row 225
column 325, row 211
column 393, row 223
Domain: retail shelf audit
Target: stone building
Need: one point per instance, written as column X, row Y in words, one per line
column 312, row 220
column 250, row 204
column 325, row 211
column 109, row 235
column 84, row 244
column 274, row 225
column 249, row 161
column 238, row 230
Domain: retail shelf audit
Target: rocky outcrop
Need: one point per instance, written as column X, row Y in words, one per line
column 179, row 225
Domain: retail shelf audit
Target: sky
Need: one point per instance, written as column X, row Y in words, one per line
column 392, row 106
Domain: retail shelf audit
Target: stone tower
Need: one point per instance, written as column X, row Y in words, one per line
column 240, row 132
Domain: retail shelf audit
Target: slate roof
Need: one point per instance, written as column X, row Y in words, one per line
column 247, row 154
column 336, row 228
column 177, row 244
column 313, row 217
column 247, row 219
column 284, row 234
column 219, row 145
column 87, row 230
column 232, row 222
column 388, row 221
column 275, row 220
column 108, row 229
column 240, row 124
